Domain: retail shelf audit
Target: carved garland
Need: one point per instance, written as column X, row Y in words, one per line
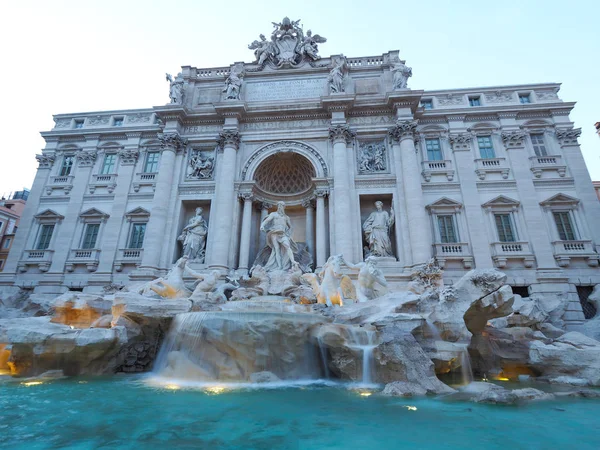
column 285, row 145
column 461, row 141
column 86, row 159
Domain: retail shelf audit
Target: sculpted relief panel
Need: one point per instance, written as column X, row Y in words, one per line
column 201, row 165
column 372, row 157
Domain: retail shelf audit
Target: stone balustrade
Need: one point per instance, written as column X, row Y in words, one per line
column 431, row 168
column 89, row 257
column 539, row 164
column 485, row 166
column 564, row 251
column 128, row 256
column 504, row 251
column 459, row 251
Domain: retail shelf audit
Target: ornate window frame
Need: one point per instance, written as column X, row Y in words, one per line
column 446, row 251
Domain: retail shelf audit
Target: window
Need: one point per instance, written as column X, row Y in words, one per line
column 505, row 228
column 539, row 146
column 427, row 104
column 44, row 237
column 79, row 124
column 91, row 235
column 151, row 162
column 6, row 243
column 486, row 148
column 564, row 225
column 434, row 150
column 524, row 98
column 474, row 101
column 447, row 230
column 67, row 165
column 137, row 235
column 1, row 263
column 118, row 122
column 109, row 164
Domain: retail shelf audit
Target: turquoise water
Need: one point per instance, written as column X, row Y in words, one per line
column 124, row 412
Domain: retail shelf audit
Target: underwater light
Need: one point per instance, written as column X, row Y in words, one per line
column 173, row 387
column 366, row 394
column 31, row 383
column 215, row 389
column 410, row 408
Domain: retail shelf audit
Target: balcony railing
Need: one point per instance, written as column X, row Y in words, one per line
column 503, row 251
column 61, row 182
column 539, row 164
column 40, row 258
column 144, row 179
column 128, row 256
column 442, row 167
column 491, row 165
column 108, row 181
column 83, row 256
column 453, row 251
column 565, row 250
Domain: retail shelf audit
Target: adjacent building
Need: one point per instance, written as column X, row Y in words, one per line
column 477, row 177
column 11, row 208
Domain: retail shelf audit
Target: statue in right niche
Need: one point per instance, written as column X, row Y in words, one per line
column 377, row 231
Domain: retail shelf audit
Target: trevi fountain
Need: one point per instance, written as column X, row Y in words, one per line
column 296, row 351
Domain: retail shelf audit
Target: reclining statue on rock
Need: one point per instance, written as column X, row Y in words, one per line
column 334, row 286
column 371, row 281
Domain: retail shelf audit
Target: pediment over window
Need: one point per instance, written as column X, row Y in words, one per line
column 49, row 215
column 444, row 203
column 560, row 200
column 139, row 214
column 500, row 201
column 93, row 213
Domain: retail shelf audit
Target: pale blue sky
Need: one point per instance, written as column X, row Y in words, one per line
column 74, row 56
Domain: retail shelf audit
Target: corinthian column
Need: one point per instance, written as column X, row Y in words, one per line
column 229, row 141
column 310, row 236
column 246, row 225
column 341, row 136
column 404, row 134
column 171, row 143
column 320, row 247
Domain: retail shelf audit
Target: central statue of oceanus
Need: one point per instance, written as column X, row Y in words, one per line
column 281, row 252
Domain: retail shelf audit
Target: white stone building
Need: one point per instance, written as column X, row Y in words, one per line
column 477, row 177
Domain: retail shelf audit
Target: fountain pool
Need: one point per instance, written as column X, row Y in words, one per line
column 125, row 412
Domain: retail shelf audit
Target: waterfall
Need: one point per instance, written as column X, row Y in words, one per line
column 365, row 341
column 233, row 345
column 465, row 365
column 461, row 349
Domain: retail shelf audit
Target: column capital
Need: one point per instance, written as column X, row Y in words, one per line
column 129, row 156
column 460, row 141
column 568, row 137
column 321, row 193
column 341, row 133
column 308, row 203
column 229, row 138
column 404, row 129
column 86, row 158
column 513, row 139
column 246, row 196
column 45, row 161
column 172, row 141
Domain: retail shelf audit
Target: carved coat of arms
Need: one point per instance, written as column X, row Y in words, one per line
column 289, row 45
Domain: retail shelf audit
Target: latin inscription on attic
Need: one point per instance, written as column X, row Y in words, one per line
column 261, row 91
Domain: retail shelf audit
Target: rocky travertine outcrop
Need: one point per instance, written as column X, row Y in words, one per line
column 479, row 392
column 572, row 355
column 80, row 310
column 36, row 345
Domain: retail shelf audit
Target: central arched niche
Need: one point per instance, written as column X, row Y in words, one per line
column 285, row 174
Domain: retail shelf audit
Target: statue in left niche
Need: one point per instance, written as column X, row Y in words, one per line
column 193, row 237
column 176, row 88
column 233, row 83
